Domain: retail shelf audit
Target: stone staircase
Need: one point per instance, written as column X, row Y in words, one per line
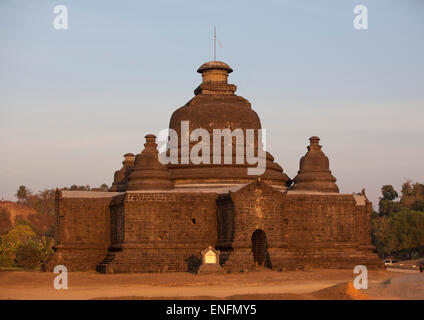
column 102, row 266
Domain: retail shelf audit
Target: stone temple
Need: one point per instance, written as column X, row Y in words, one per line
column 159, row 218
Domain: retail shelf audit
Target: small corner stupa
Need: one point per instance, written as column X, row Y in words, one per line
column 120, row 178
column 314, row 173
column 148, row 173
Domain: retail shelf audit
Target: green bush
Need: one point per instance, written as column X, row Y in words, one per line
column 28, row 255
column 6, row 260
column 21, row 247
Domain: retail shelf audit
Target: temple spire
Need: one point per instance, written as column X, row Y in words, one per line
column 314, row 173
column 148, row 172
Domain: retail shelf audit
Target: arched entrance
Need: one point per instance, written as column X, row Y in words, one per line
column 259, row 247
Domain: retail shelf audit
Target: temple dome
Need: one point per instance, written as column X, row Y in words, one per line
column 314, row 173
column 216, row 106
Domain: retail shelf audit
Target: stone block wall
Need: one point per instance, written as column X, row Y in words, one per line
column 165, row 231
column 170, row 219
column 160, row 232
column 303, row 230
column 323, row 219
column 82, row 232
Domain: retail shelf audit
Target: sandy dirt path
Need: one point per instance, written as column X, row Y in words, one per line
column 404, row 284
column 90, row 285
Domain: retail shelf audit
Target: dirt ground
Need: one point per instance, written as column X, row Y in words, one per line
column 309, row 284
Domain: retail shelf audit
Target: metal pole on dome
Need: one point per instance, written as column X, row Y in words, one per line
column 214, row 43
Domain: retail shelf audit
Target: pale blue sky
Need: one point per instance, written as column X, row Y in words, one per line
column 73, row 102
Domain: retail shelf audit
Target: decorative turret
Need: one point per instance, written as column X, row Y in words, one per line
column 215, row 72
column 120, row 178
column 314, row 173
column 215, row 77
column 148, row 172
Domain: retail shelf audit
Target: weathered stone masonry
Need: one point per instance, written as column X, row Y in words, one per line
column 82, row 230
column 158, row 218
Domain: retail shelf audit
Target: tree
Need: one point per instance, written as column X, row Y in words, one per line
column 46, row 247
column 407, row 189
column 21, row 247
column 401, row 232
column 411, row 193
column 28, row 255
column 398, row 229
column 408, row 229
column 386, row 205
column 80, row 188
column 104, row 186
column 22, row 194
column 389, row 193
column 19, row 234
column 418, row 205
column 7, row 254
column 43, row 202
column 379, row 235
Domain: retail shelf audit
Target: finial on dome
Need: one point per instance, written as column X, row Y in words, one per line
column 215, row 77
column 150, row 136
column 314, row 140
column 150, row 141
column 215, row 72
column 128, row 158
column 314, row 143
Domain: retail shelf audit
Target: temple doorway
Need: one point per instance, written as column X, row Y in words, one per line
column 259, row 248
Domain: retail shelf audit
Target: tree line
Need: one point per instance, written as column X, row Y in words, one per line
column 398, row 226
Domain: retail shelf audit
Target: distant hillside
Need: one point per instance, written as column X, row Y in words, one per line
column 12, row 212
column 36, row 210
